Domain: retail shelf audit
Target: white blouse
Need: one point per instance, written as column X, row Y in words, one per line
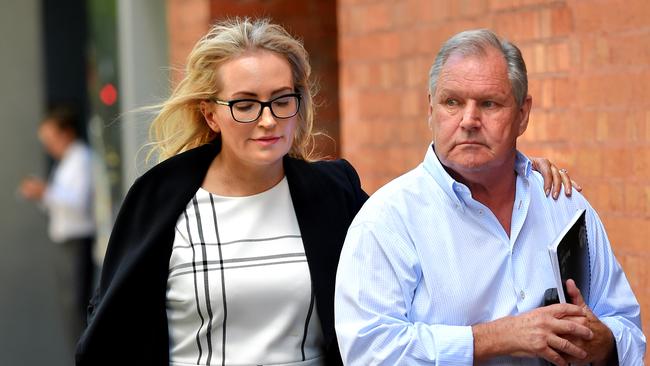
column 239, row 290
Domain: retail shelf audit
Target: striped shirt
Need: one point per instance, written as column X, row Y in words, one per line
column 239, row 290
column 423, row 262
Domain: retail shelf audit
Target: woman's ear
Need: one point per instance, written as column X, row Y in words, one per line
column 207, row 110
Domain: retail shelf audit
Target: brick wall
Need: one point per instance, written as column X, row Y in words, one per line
column 187, row 22
column 589, row 71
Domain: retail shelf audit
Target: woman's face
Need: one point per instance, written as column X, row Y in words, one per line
column 260, row 75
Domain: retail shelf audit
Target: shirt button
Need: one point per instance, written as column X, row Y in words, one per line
column 522, row 294
column 480, row 212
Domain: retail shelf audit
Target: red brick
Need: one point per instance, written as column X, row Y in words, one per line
column 372, row 17
column 613, row 15
column 635, row 203
column 497, row 5
column 408, row 47
column 413, row 103
column 614, row 89
column 637, row 272
column 379, row 104
column 559, row 57
column 432, row 11
column 618, row 162
column 416, row 71
column 619, row 229
column 522, row 26
column 344, row 21
column 590, row 161
column 583, row 125
column 647, row 125
column 537, row 2
column 556, row 128
column 391, row 75
column 617, row 50
column 470, row 8
column 350, row 100
column 561, row 21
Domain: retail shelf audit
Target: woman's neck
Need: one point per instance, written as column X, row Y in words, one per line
column 227, row 178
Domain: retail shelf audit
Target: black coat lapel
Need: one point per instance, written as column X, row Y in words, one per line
column 323, row 218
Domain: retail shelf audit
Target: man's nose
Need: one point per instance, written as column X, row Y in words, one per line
column 471, row 116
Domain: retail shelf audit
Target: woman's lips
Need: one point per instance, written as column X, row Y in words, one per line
column 267, row 141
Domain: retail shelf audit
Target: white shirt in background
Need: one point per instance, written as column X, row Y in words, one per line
column 69, row 196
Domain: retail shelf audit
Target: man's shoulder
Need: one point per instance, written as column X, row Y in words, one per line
column 560, row 209
column 401, row 196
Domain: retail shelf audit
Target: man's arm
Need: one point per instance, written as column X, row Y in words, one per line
column 378, row 275
column 613, row 312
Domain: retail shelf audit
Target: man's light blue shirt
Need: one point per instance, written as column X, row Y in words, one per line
column 423, row 262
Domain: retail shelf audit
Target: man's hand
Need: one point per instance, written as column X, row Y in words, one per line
column 542, row 332
column 32, row 188
column 601, row 347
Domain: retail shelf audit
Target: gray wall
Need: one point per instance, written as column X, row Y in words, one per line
column 144, row 77
column 30, row 329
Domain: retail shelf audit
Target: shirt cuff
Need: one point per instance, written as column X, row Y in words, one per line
column 454, row 344
column 622, row 342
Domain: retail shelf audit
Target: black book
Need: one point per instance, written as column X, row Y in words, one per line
column 569, row 254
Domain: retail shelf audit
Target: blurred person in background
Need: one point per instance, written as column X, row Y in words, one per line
column 226, row 252
column 67, row 197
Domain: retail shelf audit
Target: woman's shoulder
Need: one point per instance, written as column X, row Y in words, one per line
column 338, row 169
column 189, row 162
column 331, row 178
column 173, row 175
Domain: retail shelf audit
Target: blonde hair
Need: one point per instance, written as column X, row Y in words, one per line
column 180, row 125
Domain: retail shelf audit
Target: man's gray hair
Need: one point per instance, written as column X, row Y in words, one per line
column 475, row 43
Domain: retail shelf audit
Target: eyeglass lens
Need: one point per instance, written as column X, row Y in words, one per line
column 249, row 110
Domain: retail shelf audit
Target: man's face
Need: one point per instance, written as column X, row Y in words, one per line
column 54, row 139
column 474, row 115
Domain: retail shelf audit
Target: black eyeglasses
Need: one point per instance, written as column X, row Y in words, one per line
column 249, row 110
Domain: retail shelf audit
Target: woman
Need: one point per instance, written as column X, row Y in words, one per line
column 226, row 252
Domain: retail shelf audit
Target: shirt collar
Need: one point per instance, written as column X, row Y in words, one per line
column 523, row 165
column 454, row 190
column 457, row 191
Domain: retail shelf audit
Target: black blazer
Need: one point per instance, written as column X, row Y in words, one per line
column 127, row 316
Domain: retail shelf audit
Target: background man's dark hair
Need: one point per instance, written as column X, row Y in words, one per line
column 65, row 117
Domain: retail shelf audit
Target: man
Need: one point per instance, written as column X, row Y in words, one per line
column 448, row 264
column 67, row 198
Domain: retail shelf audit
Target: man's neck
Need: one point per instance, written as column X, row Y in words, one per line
column 495, row 188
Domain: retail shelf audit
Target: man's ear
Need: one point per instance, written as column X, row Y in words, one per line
column 207, row 110
column 524, row 114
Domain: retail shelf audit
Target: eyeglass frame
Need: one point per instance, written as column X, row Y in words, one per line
column 268, row 103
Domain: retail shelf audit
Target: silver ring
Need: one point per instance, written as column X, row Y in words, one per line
column 563, row 171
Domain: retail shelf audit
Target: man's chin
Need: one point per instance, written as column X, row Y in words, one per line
column 473, row 162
